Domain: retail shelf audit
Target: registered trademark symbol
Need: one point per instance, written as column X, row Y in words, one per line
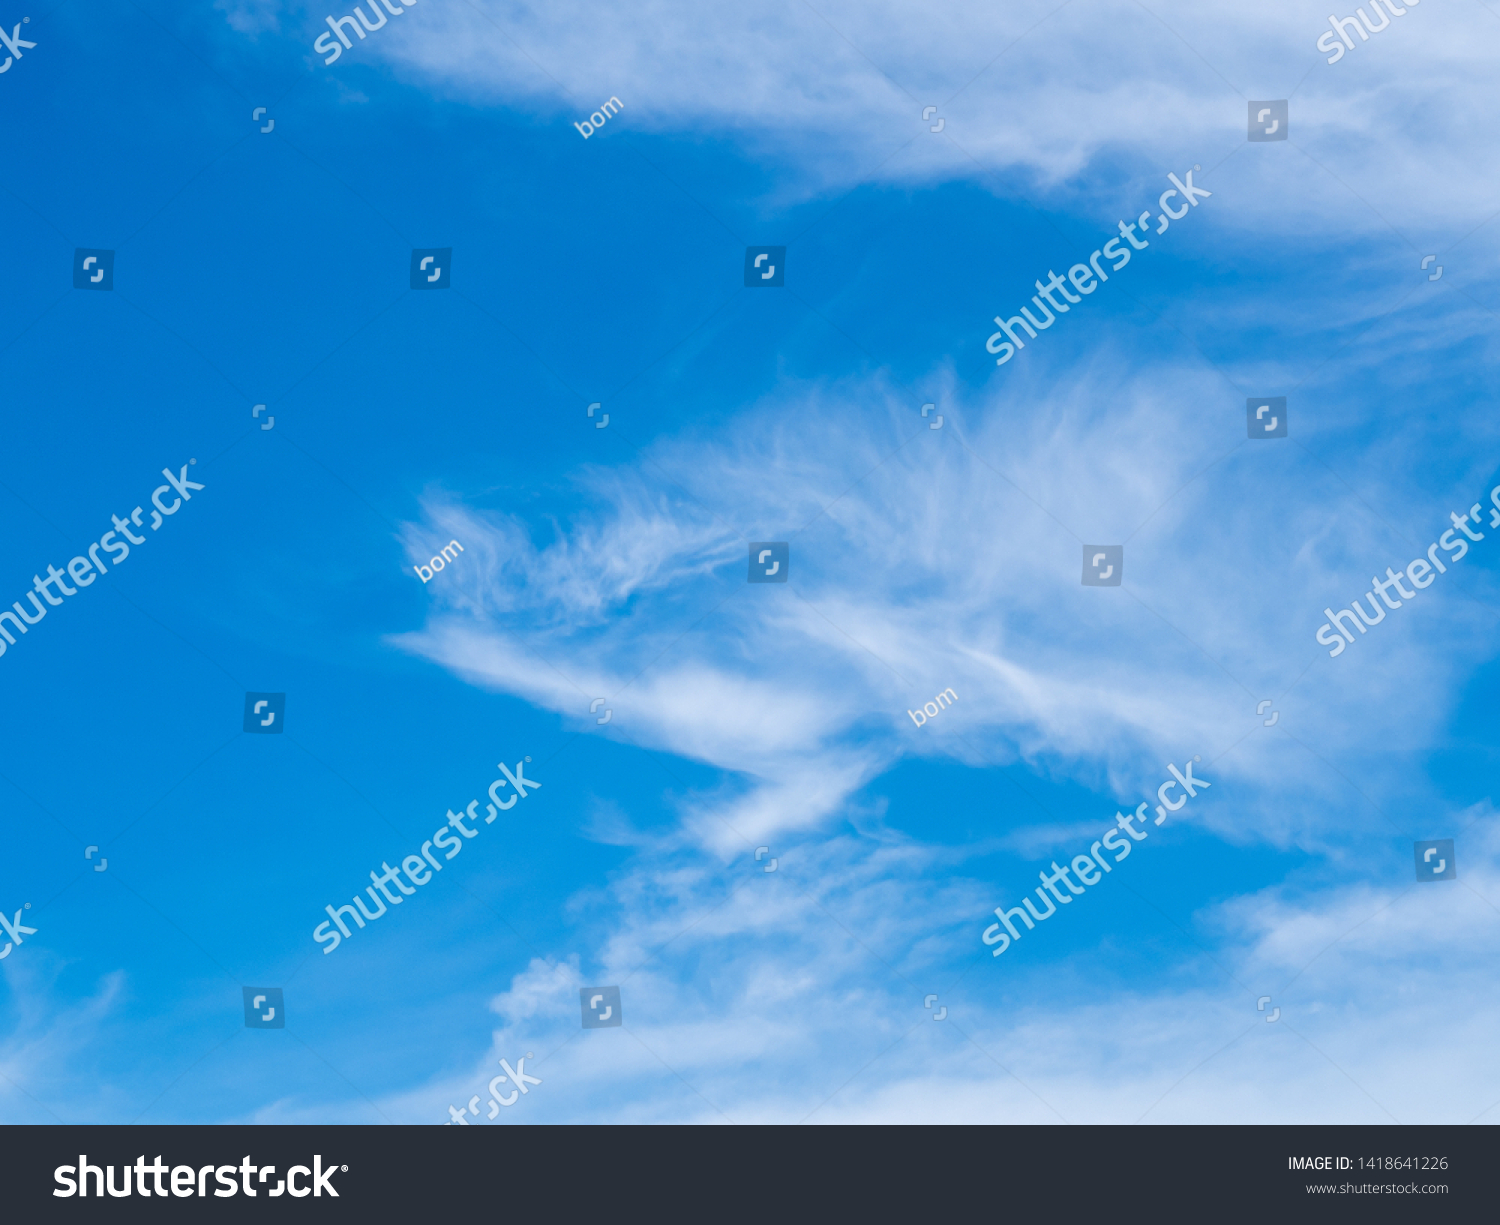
column 345, row 1169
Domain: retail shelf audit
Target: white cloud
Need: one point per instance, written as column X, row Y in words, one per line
column 937, row 570
column 252, row 17
column 1042, row 92
column 923, row 560
column 49, row 1041
column 955, row 563
column 799, row 995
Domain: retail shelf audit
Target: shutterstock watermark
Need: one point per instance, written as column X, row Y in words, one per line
column 419, row 869
column 1092, row 867
column 15, row 44
column 1419, row 572
column 599, row 118
column 85, row 570
column 15, row 929
column 186, row 1180
column 516, row 1076
column 1337, row 39
column 450, row 552
column 931, row 709
column 337, row 26
column 1083, row 275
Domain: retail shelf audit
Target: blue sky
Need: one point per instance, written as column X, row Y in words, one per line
column 272, row 268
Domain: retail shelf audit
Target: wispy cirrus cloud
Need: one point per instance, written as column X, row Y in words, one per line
column 925, row 559
column 1038, row 91
column 799, row 996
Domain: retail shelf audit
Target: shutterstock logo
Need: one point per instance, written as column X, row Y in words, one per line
column 342, row 27
column 15, row 44
column 187, row 1181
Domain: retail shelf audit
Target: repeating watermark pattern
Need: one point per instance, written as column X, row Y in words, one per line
column 600, row 117
column 1418, row 572
column 1268, row 121
column 265, row 713
column 765, row 267
column 770, row 561
column 1435, row 860
column 337, row 26
column 1337, row 39
column 930, row 710
column 76, row 1179
column 85, row 570
column 1103, row 565
column 15, row 929
column 431, row 268
column 450, row 552
column 1007, row 340
column 264, row 1008
column 419, row 869
column 601, row 1006
column 1092, row 867
column 15, row 44
column 93, row 268
column 515, row 1076
column 446, row 177
column 1266, row 417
